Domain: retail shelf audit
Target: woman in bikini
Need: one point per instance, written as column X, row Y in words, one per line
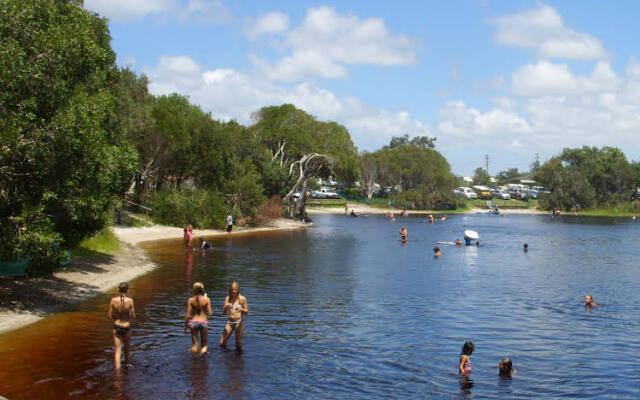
column 121, row 312
column 198, row 307
column 235, row 305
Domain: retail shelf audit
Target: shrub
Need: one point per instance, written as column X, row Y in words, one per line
column 271, row 209
column 199, row 208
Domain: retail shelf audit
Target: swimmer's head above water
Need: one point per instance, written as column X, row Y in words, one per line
column 505, row 366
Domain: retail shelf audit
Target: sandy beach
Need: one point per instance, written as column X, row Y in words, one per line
column 27, row 300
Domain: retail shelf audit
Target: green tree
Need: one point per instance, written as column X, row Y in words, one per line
column 289, row 134
column 61, row 165
column 481, row 176
column 508, row 176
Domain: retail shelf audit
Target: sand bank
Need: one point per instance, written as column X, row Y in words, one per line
column 24, row 301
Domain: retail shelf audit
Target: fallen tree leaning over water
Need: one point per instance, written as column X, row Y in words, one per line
column 309, row 166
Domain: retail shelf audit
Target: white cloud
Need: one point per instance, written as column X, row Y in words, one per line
column 128, row 9
column 543, row 29
column 230, row 94
column 333, row 39
column 131, row 10
column 271, row 23
column 206, row 11
column 545, row 78
column 558, row 109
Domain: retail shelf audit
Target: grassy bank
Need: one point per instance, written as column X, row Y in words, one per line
column 104, row 242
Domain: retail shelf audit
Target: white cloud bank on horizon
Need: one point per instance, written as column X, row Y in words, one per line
column 230, row 94
column 556, row 109
column 543, row 29
column 326, row 40
column 596, row 115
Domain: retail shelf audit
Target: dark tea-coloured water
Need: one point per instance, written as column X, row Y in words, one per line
column 345, row 310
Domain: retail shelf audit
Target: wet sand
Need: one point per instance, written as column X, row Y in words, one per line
column 27, row 300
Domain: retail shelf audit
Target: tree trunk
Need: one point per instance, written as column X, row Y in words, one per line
column 308, row 167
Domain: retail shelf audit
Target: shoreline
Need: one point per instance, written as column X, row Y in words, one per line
column 365, row 209
column 28, row 300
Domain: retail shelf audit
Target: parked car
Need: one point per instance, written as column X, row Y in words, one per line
column 483, row 192
column 541, row 189
column 324, row 193
column 465, row 192
column 496, row 193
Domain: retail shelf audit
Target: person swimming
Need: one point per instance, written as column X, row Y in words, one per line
column 198, row 308
column 588, row 302
column 505, row 368
column 458, row 242
column 403, row 234
column 436, row 252
column 525, row 247
column 464, row 367
column 235, row 305
column 204, row 244
column 121, row 312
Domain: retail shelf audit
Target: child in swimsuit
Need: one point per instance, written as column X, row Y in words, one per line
column 403, row 234
column 464, row 367
column 198, row 307
column 121, row 311
column 235, row 305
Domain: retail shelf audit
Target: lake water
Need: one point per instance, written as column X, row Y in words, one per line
column 345, row 310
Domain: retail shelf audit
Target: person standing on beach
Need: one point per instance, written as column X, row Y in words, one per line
column 235, row 305
column 121, row 312
column 198, row 308
column 229, row 222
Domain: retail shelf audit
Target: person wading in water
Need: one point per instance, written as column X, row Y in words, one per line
column 198, row 307
column 236, row 306
column 121, row 312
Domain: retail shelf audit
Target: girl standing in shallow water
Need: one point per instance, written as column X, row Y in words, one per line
column 121, row 312
column 198, row 307
column 465, row 362
column 236, row 306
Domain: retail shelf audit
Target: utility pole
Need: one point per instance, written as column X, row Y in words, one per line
column 537, row 159
column 486, row 160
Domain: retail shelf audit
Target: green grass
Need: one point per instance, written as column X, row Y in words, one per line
column 326, row 202
column 615, row 211
column 503, row 203
column 104, row 242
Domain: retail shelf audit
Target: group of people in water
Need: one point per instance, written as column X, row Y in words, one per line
column 505, row 365
column 235, row 306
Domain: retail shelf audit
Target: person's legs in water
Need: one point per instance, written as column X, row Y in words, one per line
column 117, row 347
column 239, row 333
column 225, row 335
column 204, row 332
column 194, row 339
column 127, row 342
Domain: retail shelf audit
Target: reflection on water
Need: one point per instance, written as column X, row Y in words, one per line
column 345, row 309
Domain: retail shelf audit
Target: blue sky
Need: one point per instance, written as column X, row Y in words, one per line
column 505, row 78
